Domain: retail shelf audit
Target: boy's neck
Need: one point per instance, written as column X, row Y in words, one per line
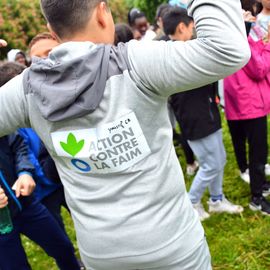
column 94, row 38
column 82, row 38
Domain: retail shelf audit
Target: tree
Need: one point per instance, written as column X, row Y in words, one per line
column 119, row 10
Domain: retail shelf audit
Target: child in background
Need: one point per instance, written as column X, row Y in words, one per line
column 139, row 23
column 18, row 56
column 247, row 104
column 199, row 119
column 41, row 45
column 260, row 28
column 123, row 33
column 179, row 140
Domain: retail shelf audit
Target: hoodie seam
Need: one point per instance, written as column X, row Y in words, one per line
column 76, row 83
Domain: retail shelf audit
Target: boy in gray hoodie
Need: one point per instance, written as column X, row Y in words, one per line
column 101, row 111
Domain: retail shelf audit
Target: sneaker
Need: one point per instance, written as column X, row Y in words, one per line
column 267, row 169
column 198, row 207
column 245, row 176
column 266, row 189
column 192, row 168
column 224, row 205
column 260, row 204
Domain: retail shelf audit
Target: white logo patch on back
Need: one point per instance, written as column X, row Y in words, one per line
column 109, row 148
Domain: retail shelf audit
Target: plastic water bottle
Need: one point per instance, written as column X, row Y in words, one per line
column 6, row 225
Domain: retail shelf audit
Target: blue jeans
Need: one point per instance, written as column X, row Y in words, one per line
column 211, row 155
column 37, row 224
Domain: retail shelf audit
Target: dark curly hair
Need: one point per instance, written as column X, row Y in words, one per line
column 252, row 5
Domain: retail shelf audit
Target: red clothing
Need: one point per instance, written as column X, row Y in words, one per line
column 247, row 92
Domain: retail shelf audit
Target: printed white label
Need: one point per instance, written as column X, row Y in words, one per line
column 112, row 147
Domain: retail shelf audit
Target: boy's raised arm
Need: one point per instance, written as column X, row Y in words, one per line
column 13, row 107
column 220, row 49
column 12, row 103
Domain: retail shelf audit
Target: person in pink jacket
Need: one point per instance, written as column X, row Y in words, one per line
column 247, row 104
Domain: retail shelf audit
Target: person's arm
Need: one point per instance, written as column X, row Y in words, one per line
column 259, row 65
column 13, row 106
column 221, row 48
column 25, row 184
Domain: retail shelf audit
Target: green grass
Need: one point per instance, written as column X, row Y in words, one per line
column 240, row 242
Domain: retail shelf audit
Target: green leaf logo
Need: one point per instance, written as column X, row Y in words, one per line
column 72, row 147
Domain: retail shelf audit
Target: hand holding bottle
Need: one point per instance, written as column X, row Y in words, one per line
column 6, row 225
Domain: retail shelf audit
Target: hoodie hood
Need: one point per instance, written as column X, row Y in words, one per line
column 71, row 82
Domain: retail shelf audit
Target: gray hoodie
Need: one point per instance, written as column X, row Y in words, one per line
column 102, row 113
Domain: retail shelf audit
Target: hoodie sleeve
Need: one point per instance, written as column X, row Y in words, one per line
column 221, row 48
column 14, row 113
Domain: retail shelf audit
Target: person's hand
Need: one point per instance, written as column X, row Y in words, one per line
column 248, row 17
column 266, row 38
column 3, row 43
column 3, row 199
column 24, row 186
column 137, row 35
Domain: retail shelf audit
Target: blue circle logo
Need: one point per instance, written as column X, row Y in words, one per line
column 81, row 165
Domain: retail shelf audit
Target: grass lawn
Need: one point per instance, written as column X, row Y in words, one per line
column 239, row 242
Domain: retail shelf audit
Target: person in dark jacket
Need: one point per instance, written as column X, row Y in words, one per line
column 191, row 164
column 29, row 216
column 49, row 189
column 199, row 119
column 15, row 173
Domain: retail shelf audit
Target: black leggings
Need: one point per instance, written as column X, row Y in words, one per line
column 253, row 131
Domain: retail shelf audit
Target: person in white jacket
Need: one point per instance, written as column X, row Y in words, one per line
column 101, row 112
